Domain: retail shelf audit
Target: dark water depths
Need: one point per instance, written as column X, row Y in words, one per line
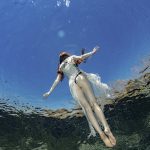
column 31, row 129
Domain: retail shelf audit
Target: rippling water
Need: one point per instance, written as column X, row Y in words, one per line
column 27, row 128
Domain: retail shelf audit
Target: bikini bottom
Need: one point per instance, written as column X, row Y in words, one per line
column 76, row 77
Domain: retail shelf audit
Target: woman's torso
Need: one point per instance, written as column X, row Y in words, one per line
column 69, row 67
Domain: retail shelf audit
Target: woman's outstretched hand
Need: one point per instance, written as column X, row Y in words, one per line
column 95, row 49
column 45, row 95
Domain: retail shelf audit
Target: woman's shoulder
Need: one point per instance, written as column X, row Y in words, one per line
column 68, row 60
column 71, row 59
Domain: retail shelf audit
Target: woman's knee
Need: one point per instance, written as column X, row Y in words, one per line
column 95, row 105
column 87, row 108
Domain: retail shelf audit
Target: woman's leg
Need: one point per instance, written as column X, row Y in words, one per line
column 88, row 91
column 84, row 102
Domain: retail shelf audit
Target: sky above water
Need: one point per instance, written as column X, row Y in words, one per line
column 34, row 32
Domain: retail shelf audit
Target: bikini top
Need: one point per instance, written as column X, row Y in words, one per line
column 69, row 67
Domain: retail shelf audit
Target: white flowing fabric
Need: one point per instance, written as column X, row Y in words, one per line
column 101, row 90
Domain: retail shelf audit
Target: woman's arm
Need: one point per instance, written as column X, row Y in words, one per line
column 86, row 55
column 58, row 79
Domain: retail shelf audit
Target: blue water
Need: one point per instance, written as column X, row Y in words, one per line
column 33, row 32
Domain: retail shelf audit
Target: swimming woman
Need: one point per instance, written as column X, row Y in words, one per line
column 83, row 93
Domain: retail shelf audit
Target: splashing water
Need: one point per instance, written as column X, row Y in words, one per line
column 66, row 2
column 34, row 2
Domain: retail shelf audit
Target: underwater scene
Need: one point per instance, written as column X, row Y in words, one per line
column 109, row 40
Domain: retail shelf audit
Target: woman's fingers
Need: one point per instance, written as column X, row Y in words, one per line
column 96, row 48
column 45, row 95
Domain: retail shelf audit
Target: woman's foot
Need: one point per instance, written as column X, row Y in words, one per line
column 110, row 136
column 106, row 140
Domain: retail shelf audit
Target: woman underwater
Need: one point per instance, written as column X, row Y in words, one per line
column 83, row 93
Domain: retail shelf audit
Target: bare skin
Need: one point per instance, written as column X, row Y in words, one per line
column 86, row 97
column 88, row 101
